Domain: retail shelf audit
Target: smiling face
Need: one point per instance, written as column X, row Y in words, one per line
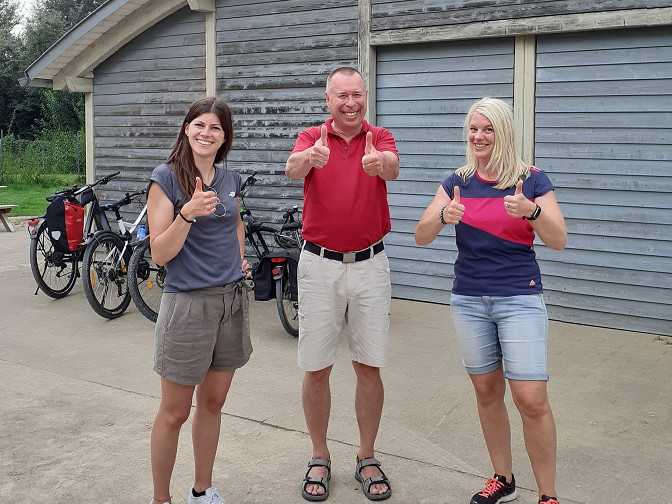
column 346, row 100
column 205, row 134
column 481, row 138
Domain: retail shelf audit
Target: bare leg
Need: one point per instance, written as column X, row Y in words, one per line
column 531, row 399
column 369, row 398
column 490, row 389
column 316, row 398
column 173, row 411
column 210, row 397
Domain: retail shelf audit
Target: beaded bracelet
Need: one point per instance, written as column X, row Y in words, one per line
column 441, row 215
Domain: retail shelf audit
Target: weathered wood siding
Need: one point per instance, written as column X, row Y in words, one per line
column 273, row 59
column 399, row 14
column 141, row 94
column 423, row 94
column 604, row 134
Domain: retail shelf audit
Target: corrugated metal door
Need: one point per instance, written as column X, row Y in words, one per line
column 423, row 93
column 604, row 134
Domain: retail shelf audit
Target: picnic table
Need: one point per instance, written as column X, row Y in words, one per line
column 4, row 210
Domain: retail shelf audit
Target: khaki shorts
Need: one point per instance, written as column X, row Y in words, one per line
column 351, row 297
column 201, row 330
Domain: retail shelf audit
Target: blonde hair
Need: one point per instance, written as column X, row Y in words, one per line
column 505, row 161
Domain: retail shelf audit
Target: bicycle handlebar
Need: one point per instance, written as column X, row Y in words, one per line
column 249, row 181
column 126, row 200
column 72, row 192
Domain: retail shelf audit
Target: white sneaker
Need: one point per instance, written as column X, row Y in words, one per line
column 211, row 497
column 152, row 502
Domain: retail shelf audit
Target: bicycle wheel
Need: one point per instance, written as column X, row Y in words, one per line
column 104, row 275
column 145, row 281
column 54, row 271
column 287, row 309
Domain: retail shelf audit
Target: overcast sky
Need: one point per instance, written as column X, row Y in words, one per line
column 24, row 7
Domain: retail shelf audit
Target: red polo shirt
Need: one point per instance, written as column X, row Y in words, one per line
column 344, row 209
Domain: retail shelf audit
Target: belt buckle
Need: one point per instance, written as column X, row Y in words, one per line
column 349, row 257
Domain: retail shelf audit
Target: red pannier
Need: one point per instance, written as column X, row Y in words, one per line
column 65, row 224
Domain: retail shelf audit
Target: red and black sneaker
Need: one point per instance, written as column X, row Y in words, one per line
column 548, row 500
column 496, row 491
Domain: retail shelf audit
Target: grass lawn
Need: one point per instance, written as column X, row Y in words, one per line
column 30, row 197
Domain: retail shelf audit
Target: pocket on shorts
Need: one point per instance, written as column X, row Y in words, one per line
column 306, row 261
column 382, row 262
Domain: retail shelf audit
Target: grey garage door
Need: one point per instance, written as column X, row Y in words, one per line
column 423, row 93
column 604, row 134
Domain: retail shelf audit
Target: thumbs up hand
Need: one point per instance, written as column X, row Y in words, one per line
column 454, row 211
column 319, row 153
column 201, row 203
column 518, row 205
column 372, row 162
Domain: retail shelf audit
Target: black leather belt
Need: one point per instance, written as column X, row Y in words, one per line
column 346, row 257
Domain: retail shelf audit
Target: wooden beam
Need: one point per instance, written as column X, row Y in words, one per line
column 367, row 57
column 79, row 84
column 89, row 138
column 210, row 54
column 524, row 88
column 202, row 5
column 632, row 18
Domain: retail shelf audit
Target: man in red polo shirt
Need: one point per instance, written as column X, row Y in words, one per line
column 343, row 272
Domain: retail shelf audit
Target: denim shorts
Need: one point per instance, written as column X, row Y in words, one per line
column 202, row 329
column 511, row 330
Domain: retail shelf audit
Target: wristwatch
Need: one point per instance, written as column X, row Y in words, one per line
column 535, row 214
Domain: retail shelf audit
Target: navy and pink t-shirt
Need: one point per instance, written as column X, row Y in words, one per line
column 495, row 251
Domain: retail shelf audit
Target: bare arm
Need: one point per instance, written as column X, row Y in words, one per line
column 549, row 226
column 384, row 164
column 167, row 234
column 430, row 224
column 300, row 163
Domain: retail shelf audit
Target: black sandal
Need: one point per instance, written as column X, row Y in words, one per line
column 324, row 483
column 366, row 484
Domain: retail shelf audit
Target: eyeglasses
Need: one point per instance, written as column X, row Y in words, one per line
column 220, row 209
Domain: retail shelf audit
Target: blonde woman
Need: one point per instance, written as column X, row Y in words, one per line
column 497, row 203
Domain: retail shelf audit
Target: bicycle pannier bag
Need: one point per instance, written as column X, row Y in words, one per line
column 263, row 281
column 264, row 287
column 65, row 222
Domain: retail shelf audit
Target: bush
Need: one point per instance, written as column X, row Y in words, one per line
column 42, row 161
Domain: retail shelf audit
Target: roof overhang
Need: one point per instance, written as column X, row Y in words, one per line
column 69, row 63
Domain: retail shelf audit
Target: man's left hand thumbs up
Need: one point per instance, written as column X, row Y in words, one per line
column 372, row 162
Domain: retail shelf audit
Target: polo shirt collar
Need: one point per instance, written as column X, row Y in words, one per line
column 365, row 127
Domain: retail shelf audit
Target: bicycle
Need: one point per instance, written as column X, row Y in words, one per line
column 146, row 280
column 56, row 271
column 281, row 259
column 105, row 262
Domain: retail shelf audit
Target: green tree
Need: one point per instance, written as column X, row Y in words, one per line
column 37, row 110
column 10, row 49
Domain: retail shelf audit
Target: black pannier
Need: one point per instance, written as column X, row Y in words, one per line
column 264, row 289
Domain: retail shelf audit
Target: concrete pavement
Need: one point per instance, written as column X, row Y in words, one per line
column 78, row 398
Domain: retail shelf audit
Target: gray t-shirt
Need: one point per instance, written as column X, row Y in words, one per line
column 210, row 255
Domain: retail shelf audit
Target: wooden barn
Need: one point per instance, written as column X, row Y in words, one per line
column 590, row 82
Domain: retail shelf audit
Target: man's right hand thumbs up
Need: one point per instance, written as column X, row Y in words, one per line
column 319, row 153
